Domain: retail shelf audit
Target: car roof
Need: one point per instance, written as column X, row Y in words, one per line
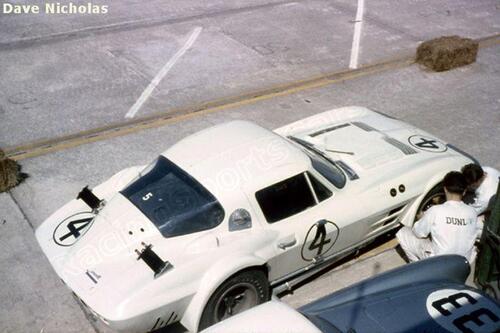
column 237, row 154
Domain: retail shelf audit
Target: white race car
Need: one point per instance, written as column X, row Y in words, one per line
column 234, row 211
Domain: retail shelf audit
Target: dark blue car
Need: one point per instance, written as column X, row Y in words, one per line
column 422, row 297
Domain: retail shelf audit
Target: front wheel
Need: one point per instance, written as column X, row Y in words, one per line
column 237, row 294
column 435, row 196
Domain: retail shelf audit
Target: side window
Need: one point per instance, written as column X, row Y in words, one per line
column 286, row 198
column 321, row 191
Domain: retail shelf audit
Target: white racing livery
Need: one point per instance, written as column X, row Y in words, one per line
column 233, row 212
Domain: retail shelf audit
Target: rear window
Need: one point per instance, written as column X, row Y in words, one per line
column 174, row 201
column 286, row 198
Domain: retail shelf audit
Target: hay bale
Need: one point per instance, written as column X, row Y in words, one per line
column 444, row 53
column 10, row 173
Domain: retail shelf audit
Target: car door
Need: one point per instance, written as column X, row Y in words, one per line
column 340, row 217
column 286, row 209
column 289, row 208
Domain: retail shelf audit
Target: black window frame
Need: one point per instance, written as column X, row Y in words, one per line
column 319, row 159
column 314, row 180
column 259, row 196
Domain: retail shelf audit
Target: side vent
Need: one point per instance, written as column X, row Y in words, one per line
column 364, row 126
column 407, row 150
column 397, row 210
column 159, row 323
column 329, row 129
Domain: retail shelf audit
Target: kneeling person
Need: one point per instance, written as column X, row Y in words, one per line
column 484, row 182
column 451, row 226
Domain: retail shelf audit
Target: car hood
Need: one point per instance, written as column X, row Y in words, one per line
column 273, row 316
column 412, row 309
column 410, row 298
column 364, row 139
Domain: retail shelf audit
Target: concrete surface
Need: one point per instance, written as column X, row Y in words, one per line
column 460, row 106
column 343, row 276
column 33, row 299
column 62, row 74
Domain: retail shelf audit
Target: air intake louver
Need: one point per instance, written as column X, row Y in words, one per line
column 364, row 126
column 329, row 129
column 407, row 150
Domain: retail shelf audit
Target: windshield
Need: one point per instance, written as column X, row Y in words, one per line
column 174, row 201
column 321, row 163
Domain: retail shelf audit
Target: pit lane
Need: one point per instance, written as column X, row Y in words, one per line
column 460, row 106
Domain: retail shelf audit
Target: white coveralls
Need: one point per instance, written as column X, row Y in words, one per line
column 452, row 227
column 483, row 194
column 486, row 190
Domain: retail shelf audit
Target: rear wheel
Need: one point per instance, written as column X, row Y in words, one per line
column 237, row 294
column 434, row 197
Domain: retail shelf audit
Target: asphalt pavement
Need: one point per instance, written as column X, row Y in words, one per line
column 64, row 73
column 60, row 75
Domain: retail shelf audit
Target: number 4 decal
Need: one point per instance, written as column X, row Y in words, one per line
column 320, row 239
column 325, row 234
column 428, row 144
column 72, row 228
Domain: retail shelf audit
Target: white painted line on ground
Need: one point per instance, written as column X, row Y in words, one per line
column 161, row 74
column 353, row 63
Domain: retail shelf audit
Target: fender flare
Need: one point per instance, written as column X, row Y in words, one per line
column 409, row 217
column 210, row 281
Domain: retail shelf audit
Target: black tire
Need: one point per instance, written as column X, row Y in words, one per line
column 237, row 294
column 435, row 196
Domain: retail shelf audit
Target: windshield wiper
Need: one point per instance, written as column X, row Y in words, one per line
column 318, row 151
column 339, row 151
column 312, row 147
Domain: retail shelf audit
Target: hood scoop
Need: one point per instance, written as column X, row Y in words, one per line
column 371, row 148
column 364, row 126
column 407, row 150
column 328, row 129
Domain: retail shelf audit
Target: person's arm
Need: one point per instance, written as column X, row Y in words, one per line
column 422, row 227
column 480, row 204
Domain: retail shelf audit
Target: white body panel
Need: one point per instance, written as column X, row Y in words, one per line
column 233, row 161
column 273, row 316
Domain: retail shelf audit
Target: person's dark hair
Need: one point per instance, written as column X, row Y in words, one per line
column 472, row 173
column 455, row 182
